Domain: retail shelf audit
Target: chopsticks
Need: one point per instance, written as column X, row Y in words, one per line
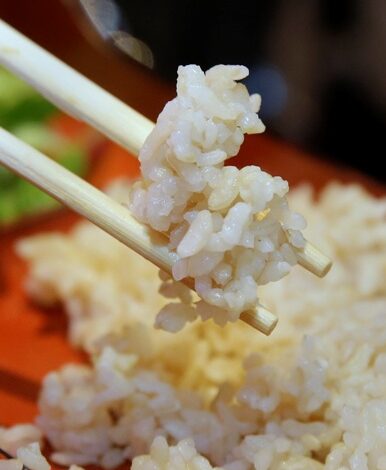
column 71, row 91
column 103, row 211
column 83, row 99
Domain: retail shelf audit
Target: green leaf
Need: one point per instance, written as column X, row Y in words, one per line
column 39, row 136
column 8, row 208
column 74, row 158
column 31, row 200
column 12, row 89
column 32, row 108
column 7, row 178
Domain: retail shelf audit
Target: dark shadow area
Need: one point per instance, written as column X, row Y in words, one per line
column 320, row 65
column 347, row 121
column 18, row 385
column 55, row 320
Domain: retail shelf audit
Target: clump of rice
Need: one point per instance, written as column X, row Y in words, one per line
column 231, row 230
column 311, row 396
column 163, row 457
column 23, row 442
column 18, row 436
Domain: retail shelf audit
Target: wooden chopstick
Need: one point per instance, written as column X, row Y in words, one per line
column 80, row 97
column 103, row 211
column 71, row 91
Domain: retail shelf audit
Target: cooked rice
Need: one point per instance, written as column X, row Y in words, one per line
column 23, row 442
column 163, row 457
column 311, row 396
column 230, row 230
column 19, row 436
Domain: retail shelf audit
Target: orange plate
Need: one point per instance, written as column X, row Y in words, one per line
column 33, row 340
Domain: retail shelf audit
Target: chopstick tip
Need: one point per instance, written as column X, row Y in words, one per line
column 261, row 319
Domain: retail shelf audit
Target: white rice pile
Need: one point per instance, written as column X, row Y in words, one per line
column 311, row 396
column 23, row 442
column 84, row 260
column 230, row 229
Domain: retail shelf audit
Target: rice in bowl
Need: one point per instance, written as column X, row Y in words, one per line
column 217, row 395
column 311, row 396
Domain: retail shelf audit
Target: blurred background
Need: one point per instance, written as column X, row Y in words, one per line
column 320, row 65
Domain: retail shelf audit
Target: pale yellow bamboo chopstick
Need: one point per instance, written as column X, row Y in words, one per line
column 83, row 99
column 103, row 211
column 71, row 91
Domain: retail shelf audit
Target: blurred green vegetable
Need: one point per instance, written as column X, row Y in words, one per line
column 6, row 178
column 29, row 200
column 32, row 108
column 24, row 113
column 39, row 136
column 19, row 102
column 12, row 89
column 74, row 158
column 21, row 198
column 8, row 208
